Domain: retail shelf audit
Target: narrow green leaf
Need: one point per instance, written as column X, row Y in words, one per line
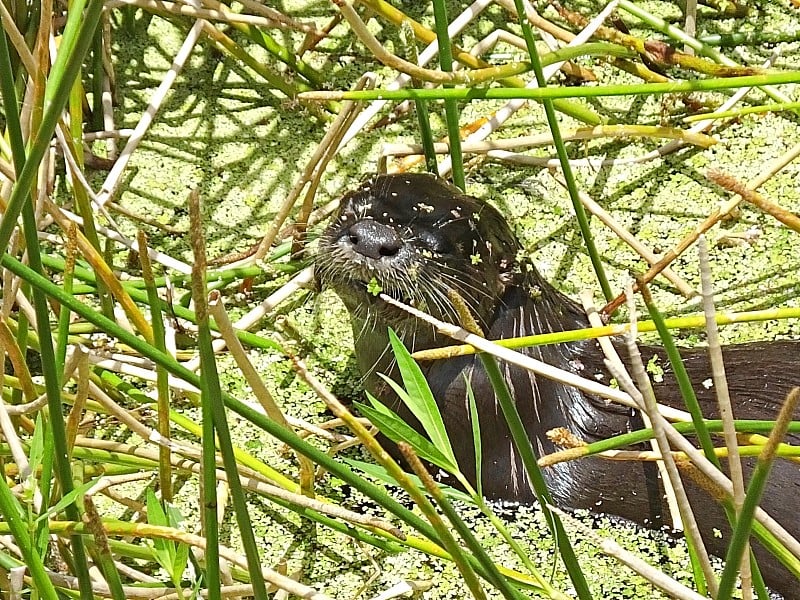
column 36, row 451
column 422, row 403
column 476, row 436
column 66, row 500
column 164, row 549
column 181, row 557
column 155, row 514
column 398, row 430
column 381, row 474
column 179, row 563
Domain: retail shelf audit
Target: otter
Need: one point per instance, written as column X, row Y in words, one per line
column 415, row 237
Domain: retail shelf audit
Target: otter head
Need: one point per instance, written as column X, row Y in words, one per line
column 417, row 239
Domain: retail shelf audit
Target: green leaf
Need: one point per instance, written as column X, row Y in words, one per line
column 164, row 549
column 37, row 446
column 181, row 558
column 155, row 513
column 398, row 430
column 66, row 500
column 179, row 563
column 420, row 400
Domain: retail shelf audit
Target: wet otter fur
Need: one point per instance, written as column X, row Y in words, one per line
column 416, row 237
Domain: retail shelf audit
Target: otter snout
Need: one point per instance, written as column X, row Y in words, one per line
column 373, row 240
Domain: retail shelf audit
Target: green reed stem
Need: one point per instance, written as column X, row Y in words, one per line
column 753, row 38
column 11, row 109
column 74, row 44
column 715, row 426
column 684, row 428
column 84, row 207
column 678, row 34
column 421, row 106
column 572, row 335
column 162, row 377
column 281, row 53
column 209, row 395
column 52, row 381
column 225, row 276
column 485, row 93
column 563, row 157
column 97, row 80
column 62, row 336
column 745, row 110
column 139, row 295
column 577, row 111
column 681, row 376
column 20, row 201
column 214, row 410
column 693, row 406
column 450, row 104
column 523, row 445
column 228, row 46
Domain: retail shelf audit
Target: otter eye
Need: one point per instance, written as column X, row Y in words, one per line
column 347, row 214
column 435, row 243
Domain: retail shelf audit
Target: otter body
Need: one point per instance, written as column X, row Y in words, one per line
column 415, row 237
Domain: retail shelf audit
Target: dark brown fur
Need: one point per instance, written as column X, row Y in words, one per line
column 416, row 236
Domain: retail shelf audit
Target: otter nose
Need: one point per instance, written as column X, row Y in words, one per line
column 374, row 240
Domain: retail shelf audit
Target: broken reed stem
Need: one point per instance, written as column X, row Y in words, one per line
column 723, row 400
column 730, row 183
column 612, row 356
column 257, row 385
column 644, row 389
